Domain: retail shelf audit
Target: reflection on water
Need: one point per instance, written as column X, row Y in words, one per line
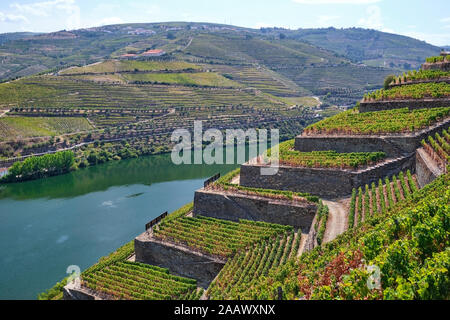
column 74, row 219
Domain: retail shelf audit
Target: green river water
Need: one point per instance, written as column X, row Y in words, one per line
column 74, row 219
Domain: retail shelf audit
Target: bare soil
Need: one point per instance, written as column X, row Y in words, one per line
column 337, row 218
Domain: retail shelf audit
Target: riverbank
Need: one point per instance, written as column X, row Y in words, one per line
column 101, row 153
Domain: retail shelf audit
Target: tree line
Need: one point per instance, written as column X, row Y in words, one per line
column 39, row 167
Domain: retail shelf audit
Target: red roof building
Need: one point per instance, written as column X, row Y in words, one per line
column 153, row 53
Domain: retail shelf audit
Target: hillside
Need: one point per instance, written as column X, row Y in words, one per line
column 358, row 209
column 371, row 47
column 336, row 64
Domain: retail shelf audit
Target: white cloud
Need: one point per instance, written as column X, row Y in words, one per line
column 6, row 17
column 437, row 39
column 42, row 9
column 336, row 1
column 52, row 8
column 446, row 21
column 373, row 20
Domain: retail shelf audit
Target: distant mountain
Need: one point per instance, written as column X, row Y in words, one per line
column 371, row 47
column 5, row 37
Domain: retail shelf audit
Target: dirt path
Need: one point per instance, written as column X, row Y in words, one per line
column 318, row 100
column 3, row 112
column 337, row 219
column 189, row 43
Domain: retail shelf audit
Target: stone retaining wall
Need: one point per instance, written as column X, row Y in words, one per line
column 327, row 183
column 233, row 206
column 392, row 145
column 444, row 65
column 397, row 104
column 179, row 260
column 426, row 171
column 71, row 292
column 447, row 80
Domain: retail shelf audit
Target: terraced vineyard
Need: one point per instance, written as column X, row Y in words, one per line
column 380, row 122
column 25, row 127
column 214, row 236
column 225, row 184
column 379, row 199
column 120, row 66
column 137, row 281
column 391, row 225
column 321, row 221
column 438, row 147
column 63, row 92
column 237, row 279
column 204, row 79
column 260, row 79
column 412, row 76
column 409, row 243
column 326, row 159
column 233, row 48
column 411, row 91
column 438, row 59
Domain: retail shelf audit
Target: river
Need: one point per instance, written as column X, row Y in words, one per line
column 74, row 219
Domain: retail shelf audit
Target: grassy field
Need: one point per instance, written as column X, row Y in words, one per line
column 25, row 127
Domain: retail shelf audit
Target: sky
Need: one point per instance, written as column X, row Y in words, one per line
column 420, row 19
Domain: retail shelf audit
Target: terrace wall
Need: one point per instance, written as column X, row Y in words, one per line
column 447, row 80
column 426, row 168
column 392, row 145
column 327, row 183
column 179, row 260
column 70, row 292
column 233, row 206
column 397, row 104
column 445, row 66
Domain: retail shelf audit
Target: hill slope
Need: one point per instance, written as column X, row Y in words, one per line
column 371, row 47
column 303, row 56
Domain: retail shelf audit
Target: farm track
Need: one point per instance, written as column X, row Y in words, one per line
column 337, row 219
